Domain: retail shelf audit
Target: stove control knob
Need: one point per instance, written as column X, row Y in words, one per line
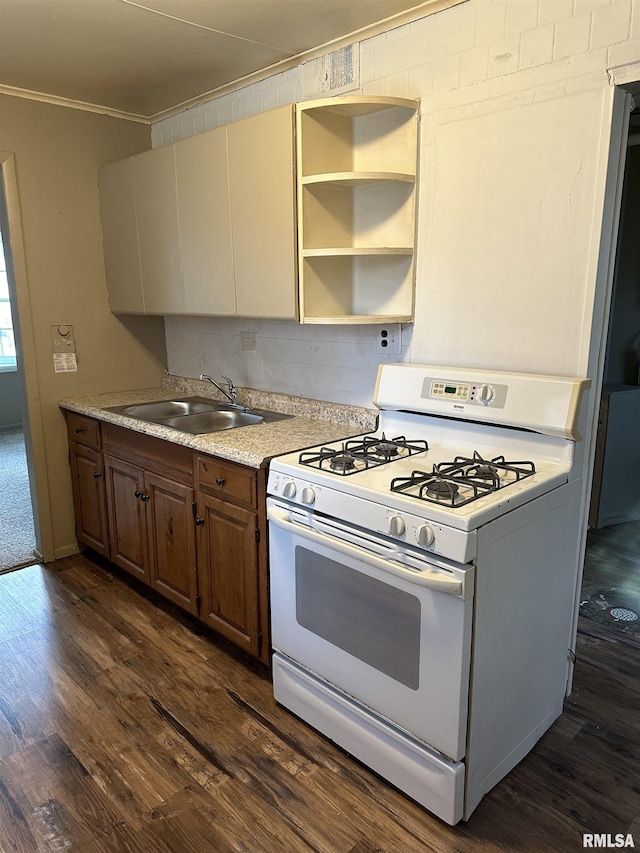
column 289, row 490
column 396, row 525
column 424, row 536
column 308, row 496
column 485, row 394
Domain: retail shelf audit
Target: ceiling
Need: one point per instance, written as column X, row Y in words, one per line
column 146, row 58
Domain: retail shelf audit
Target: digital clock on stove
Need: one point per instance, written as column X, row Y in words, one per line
column 477, row 393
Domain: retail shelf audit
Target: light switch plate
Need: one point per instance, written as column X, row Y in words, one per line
column 248, row 342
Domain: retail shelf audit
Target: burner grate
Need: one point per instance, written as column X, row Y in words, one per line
column 436, row 487
column 463, row 480
column 495, row 469
column 359, row 454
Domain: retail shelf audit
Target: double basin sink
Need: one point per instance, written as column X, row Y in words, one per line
column 196, row 415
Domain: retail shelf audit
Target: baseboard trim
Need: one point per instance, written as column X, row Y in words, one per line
column 66, row 551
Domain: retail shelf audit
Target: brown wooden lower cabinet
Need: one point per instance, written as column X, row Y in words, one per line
column 89, row 497
column 126, row 512
column 228, row 571
column 172, row 540
column 187, row 524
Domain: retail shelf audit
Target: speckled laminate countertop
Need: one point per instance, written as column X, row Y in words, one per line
column 314, row 421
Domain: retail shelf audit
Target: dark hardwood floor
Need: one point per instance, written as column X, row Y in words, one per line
column 613, row 556
column 123, row 727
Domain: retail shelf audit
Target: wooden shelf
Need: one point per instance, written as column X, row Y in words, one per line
column 357, row 163
column 356, row 179
column 357, row 250
column 358, row 319
column 355, row 106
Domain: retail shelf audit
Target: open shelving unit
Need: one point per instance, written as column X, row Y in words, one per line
column 357, row 167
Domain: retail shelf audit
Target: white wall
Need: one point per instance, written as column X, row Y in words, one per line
column 516, row 110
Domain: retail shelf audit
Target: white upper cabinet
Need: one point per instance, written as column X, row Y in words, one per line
column 120, row 238
column 206, row 225
column 154, row 187
column 204, row 219
column 210, row 225
column 357, row 167
column 138, row 209
column 262, row 192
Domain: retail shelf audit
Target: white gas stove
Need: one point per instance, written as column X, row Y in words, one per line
column 417, row 571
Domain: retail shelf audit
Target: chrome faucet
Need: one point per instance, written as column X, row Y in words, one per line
column 231, row 394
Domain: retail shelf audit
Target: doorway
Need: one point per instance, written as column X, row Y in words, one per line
column 611, row 580
column 17, row 533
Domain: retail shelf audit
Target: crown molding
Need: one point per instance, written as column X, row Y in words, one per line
column 57, row 101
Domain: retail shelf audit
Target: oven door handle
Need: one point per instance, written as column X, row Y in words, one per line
column 426, row 578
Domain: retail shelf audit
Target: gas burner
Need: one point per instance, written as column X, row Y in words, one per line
column 359, row 454
column 385, row 448
column 441, row 489
column 486, row 472
column 343, row 462
column 333, row 460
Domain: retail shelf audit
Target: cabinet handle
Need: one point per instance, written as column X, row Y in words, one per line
column 199, row 521
column 79, row 430
column 144, row 497
column 219, row 481
column 138, row 494
column 97, row 474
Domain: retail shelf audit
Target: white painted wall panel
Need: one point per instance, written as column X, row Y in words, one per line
column 506, row 225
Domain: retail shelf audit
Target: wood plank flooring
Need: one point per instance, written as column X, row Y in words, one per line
column 126, row 727
column 613, row 556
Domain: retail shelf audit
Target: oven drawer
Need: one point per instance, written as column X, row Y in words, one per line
column 431, row 780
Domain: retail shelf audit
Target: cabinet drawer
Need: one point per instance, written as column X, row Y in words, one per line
column 228, row 481
column 165, row 458
column 84, row 430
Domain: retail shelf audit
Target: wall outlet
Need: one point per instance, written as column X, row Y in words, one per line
column 248, row 342
column 389, row 340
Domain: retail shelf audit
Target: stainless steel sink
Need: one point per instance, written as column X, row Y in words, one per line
column 196, row 415
column 213, row 421
column 163, row 409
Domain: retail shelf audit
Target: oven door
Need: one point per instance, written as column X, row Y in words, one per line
column 385, row 624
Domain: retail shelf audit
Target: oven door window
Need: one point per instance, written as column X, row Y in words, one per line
column 371, row 620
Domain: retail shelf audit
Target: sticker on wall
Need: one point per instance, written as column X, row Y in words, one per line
column 65, row 362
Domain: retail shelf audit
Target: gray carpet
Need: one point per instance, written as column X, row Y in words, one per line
column 17, row 537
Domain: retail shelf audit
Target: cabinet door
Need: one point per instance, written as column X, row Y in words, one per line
column 262, row 192
column 125, row 507
column 89, row 497
column 228, row 571
column 172, row 540
column 120, row 238
column 204, row 216
column 154, row 185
